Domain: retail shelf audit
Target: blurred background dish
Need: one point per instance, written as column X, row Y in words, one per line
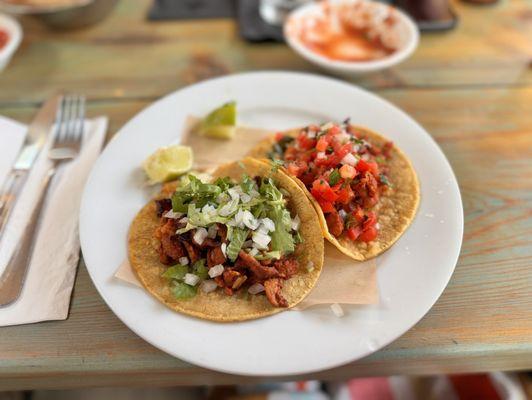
column 351, row 37
column 61, row 14
column 10, row 38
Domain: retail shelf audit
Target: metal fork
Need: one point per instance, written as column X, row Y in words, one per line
column 68, row 137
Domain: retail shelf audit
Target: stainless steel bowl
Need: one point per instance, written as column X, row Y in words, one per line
column 77, row 15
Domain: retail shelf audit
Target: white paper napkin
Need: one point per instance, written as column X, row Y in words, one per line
column 50, row 277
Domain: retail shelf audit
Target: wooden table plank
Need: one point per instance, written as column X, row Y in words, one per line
column 127, row 56
column 483, row 321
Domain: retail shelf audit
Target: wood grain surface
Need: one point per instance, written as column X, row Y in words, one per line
column 470, row 88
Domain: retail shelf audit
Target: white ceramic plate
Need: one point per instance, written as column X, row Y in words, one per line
column 411, row 275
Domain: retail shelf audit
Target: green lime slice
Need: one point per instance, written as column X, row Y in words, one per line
column 219, row 123
column 167, row 163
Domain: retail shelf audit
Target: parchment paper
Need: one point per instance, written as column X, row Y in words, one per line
column 343, row 280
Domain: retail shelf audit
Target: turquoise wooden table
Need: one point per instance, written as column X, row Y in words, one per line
column 471, row 88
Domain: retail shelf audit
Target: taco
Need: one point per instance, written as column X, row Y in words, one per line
column 246, row 245
column 363, row 187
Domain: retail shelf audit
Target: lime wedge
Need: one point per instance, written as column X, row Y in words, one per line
column 220, row 123
column 168, row 163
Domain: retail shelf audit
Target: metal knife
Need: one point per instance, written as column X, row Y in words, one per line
column 36, row 137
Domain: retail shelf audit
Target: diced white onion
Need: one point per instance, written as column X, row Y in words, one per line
column 200, row 235
column 223, row 247
column 183, row 260
column 326, row 126
column 310, row 266
column 217, row 270
column 349, row 159
column 249, row 220
column 311, row 134
column 254, row 194
column 365, row 157
column 268, row 224
column 320, row 155
column 296, row 221
column 343, row 137
column 261, row 240
column 337, row 310
column 228, row 208
column 245, row 198
column 256, row 288
column 172, row 214
column 222, row 198
column 253, row 252
column 235, row 193
column 191, row 279
column 342, row 213
column 262, row 229
column 208, row 286
column 208, row 210
column 239, row 219
column 211, row 232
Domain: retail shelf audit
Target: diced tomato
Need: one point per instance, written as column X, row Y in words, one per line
column 307, row 156
column 321, row 189
column 320, row 185
column 322, row 144
column 279, row 136
column 290, row 153
column 292, row 169
column 326, row 206
column 296, row 168
column 345, row 195
column 371, row 220
column 307, row 178
column 371, row 166
column 334, row 130
column 340, row 153
column 348, row 172
column 358, row 213
column 368, row 234
column 354, row 232
column 320, row 161
column 305, row 142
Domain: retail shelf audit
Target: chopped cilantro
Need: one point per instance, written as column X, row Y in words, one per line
column 384, row 180
column 334, row 177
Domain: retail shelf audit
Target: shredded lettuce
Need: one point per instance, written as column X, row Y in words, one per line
column 200, row 269
column 183, row 291
column 282, row 239
column 220, row 202
column 270, row 191
column 248, row 184
column 236, row 237
column 198, row 218
column 176, row 272
column 223, row 183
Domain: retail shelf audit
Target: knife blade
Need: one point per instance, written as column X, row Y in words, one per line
column 35, row 139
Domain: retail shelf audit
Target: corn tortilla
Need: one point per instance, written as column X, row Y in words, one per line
column 217, row 306
column 396, row 208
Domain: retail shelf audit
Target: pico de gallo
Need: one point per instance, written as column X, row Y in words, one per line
column 344, row 172
column 4, row 38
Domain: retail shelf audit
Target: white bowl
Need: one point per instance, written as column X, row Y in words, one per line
column 13, row 29
column 408, row 42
